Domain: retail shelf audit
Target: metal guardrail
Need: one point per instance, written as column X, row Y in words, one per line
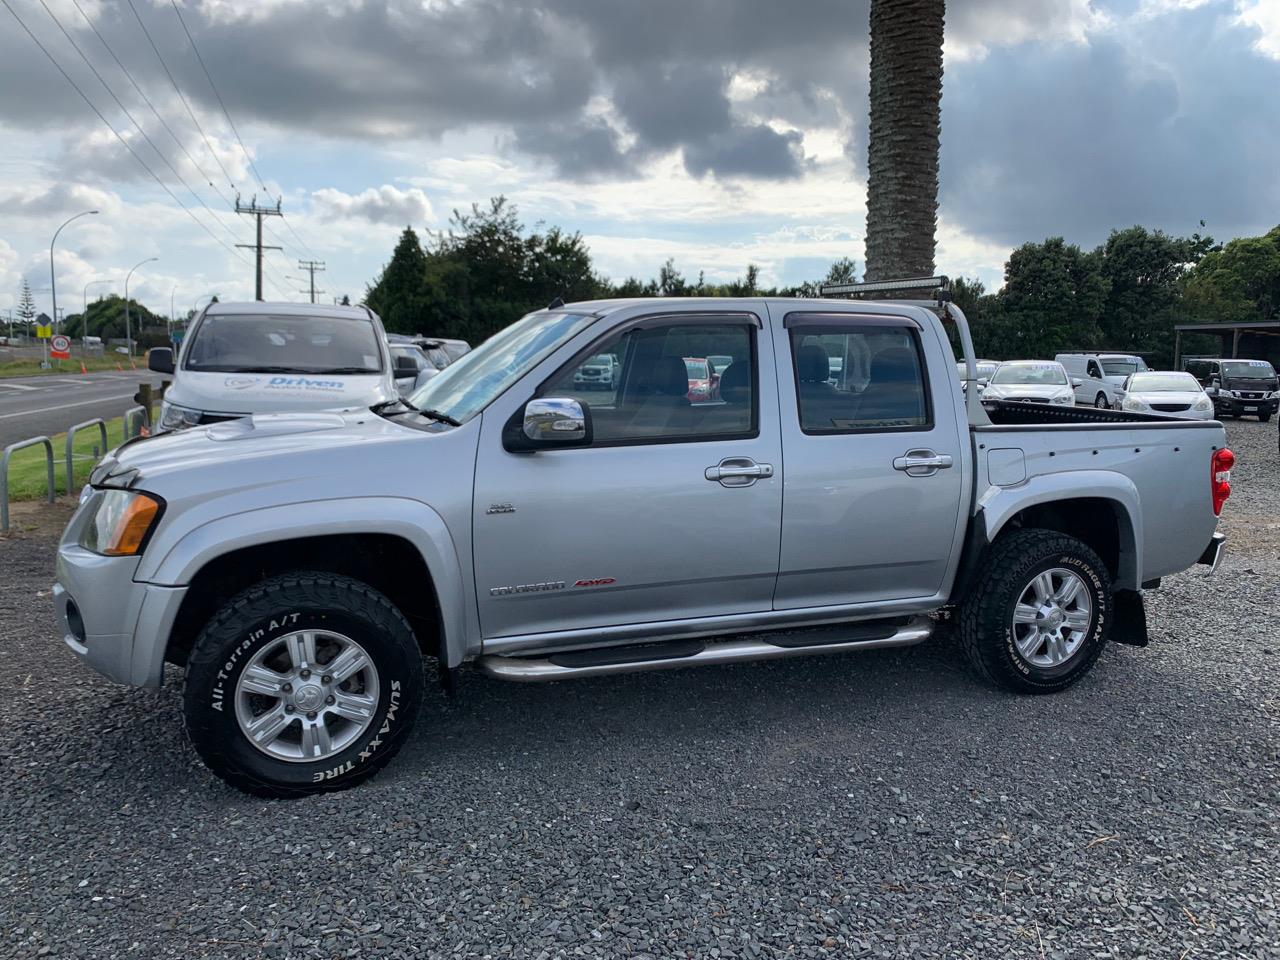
column 9, row 451
column 71, row 433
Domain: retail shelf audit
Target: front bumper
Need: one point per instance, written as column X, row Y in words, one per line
column 1239, row 407
column 118, row 626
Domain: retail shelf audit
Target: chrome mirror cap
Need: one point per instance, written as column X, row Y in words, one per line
column 554, row 421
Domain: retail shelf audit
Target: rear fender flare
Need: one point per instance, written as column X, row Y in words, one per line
column 1000, row 504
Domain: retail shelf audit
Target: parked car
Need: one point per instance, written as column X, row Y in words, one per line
column 597, row 373
column 702, row 382
column 1238, row 387
column 412, row 366
column 1173, row 392
column 240, row 359
column 456, row 349
column 1039, row 381
column 1101, row 375
column 983, row 368
column 299, row 566
column 432, row 348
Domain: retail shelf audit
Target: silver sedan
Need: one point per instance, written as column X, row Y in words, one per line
column 1166, row 393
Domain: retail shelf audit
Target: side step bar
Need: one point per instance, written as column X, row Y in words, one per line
column 686, row 653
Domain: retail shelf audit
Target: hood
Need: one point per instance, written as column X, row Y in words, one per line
column 227, row 446
column 1028, row 389
column 1252, row 385
column 242, row 393
column 1167, row 396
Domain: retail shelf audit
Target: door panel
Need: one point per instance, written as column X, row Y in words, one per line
column 875, row 479
column 665, row 517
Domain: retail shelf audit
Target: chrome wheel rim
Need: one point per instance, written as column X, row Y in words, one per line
column 307, row 695
column 1052, row 616
column 1101, row 403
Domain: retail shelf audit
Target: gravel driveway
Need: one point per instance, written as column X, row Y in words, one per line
column 875, row 805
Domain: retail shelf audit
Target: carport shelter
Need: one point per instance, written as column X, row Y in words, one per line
column 1249, row 341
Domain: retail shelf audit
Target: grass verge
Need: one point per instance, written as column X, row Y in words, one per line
column 27, row 471
column 31, row 368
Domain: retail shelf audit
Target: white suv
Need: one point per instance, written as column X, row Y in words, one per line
column 240, row 359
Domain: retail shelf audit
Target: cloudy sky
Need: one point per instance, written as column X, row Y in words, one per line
column 718, row 132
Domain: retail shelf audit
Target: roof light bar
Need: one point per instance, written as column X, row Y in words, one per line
column 941, row 284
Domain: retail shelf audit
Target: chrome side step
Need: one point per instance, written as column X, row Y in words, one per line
column 663, row 656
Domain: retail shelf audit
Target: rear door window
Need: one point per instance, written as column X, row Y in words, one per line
column 859, row 378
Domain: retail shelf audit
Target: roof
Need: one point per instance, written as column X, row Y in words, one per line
column 1259, row 326
column 287, row 308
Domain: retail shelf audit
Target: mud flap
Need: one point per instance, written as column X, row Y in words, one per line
column 1130, row 624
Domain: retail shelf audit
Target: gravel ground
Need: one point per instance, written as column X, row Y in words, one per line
column 879, row 805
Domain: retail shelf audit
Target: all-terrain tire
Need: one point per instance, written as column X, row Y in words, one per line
column 1101, row 402
column 260, row 617
column 986, row 628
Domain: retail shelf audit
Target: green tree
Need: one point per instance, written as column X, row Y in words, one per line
column 26, row 307
column 1238, row 283
column 1052, row 299
column 399, row 295
column 1143, row 269
column 106, row 319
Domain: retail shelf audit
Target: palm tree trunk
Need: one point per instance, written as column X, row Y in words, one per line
column 902, row 154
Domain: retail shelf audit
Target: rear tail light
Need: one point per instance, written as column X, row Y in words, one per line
column 1220, row 465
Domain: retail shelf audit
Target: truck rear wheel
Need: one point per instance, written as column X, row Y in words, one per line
column 1038, row 616
column 305, row 683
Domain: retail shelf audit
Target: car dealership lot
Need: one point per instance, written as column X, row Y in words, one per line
column 877, row 804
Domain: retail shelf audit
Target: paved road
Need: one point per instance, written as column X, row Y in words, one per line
column 30, row 406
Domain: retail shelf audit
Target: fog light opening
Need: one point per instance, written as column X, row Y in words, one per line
column 75, row 622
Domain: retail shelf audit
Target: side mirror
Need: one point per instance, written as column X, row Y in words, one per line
column 405, row 367
column 549, row 422
column 982, row 381
column 160, row 359
column 1076, row 382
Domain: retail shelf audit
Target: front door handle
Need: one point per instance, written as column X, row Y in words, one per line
column 738, row 472
column 922, row 463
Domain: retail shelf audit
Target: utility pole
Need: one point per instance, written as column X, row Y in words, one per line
column 258, row 213
column 312, row 267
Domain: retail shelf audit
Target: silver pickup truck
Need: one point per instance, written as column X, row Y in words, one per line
column 300, row 566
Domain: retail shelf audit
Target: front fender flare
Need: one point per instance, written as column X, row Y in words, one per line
column 1000, row 504
column 176, row 563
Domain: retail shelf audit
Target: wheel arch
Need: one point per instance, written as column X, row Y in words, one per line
column 1103, row 511
column 400, row 547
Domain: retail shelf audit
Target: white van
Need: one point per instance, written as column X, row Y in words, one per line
column 1101, row 375
column 240, row 359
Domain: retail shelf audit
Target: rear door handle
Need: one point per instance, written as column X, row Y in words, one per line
column 738, row 472
column 922, row 463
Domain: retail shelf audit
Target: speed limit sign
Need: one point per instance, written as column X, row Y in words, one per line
column 60, row 347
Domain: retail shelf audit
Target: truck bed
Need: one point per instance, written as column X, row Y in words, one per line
column 1017, row 412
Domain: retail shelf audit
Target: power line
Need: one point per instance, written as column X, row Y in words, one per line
column 94, row 70
column 214, row 88
column 176, row 89
column 258, row 213
column 231, row 123
column 147, row 100
column 83, row 96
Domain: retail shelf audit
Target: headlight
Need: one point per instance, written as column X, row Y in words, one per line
column 121, row 523
column 1063, row 398
column 1227, row 393
column 1204, row 403
column 1133, row 404
column 174, row 417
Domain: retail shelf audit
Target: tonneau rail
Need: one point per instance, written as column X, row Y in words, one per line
column 1005, row 413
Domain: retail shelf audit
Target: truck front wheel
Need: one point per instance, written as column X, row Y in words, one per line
column 305, row 683
column 1039, row 613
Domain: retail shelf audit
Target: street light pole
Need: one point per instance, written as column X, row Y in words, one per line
column 53, row 282
column 128, row 333
column 195, row 304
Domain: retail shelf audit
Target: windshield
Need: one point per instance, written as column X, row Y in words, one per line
column 980, row 369
column 696, row 369
column 471, row 383
column 412, row 353
column 1248, row 370
column 1121, row 366
column 1047, row 373
column 1162, row 382
column 262, row 343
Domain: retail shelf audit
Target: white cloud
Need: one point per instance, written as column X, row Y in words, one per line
column 1263, row 15
column 386, row 204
